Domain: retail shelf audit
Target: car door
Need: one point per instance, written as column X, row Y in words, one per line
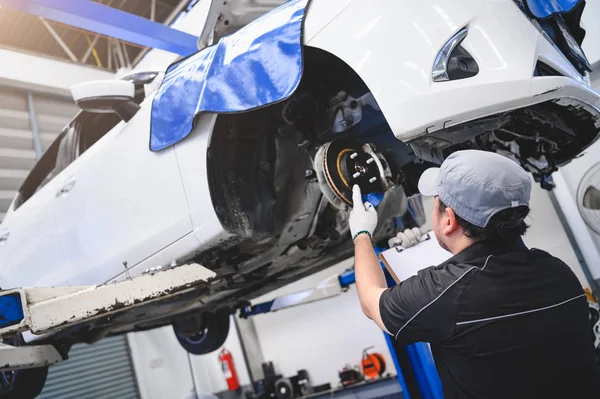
column 30, row 254
column 121, row 203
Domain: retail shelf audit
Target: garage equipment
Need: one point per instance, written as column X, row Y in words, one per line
column 349, row 376
column 417, row 374
column 372, row 365
column 49, row 309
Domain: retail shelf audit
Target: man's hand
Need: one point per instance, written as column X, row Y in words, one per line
column 407, row 238
column 363, row 217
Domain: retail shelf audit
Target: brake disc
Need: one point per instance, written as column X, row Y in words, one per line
column 341, row 164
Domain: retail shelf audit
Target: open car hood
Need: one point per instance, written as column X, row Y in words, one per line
column 226, row 17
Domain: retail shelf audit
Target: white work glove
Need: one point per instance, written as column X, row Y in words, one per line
column 407, row 238
column 363, row 217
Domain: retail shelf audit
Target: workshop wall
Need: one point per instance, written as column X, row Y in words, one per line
column 568, row 179
column 321, row 337
column 165, row 370
column 546, row 232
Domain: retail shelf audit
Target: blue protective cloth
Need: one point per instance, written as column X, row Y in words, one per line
column 258, row 65
column 545, row 8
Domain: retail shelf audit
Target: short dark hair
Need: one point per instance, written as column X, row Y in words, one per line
column 504, row 225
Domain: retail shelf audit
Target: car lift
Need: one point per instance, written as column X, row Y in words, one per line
column 49, row 309
column 417, row 374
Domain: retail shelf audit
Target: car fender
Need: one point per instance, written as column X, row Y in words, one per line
column 259, row 65
column 392, row 45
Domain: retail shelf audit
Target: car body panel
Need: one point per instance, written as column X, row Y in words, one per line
column 31, row 254
column 401, row 81
column 358, row 32
column 254, row 67
column 127, row 204
column 192, row 159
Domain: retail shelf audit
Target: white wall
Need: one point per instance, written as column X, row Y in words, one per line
column 165, row 370
column 321, row 337
column 591, row 22
column 161, row 365
column 547, row 233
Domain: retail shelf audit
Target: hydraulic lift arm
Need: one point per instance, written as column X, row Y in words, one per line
column 49, row 309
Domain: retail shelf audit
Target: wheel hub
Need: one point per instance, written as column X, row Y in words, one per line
column 341, row 164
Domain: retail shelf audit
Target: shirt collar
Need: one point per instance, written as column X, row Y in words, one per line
column 483, row 249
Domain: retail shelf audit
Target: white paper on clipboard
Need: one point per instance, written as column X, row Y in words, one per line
column 405, row 263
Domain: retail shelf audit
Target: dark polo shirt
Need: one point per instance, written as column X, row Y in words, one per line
column 503, row 322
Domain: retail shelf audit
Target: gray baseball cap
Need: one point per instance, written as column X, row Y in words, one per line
column 477, row 185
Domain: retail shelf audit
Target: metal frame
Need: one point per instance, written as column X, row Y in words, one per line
column 49, row 309
column 168, row 21
column 333, row 286
column 90, row 49
column 24, row 357
column 59, row 40
column 35, row 131
column 108, row 21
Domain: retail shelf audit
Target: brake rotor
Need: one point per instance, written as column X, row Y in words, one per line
column 345, row 164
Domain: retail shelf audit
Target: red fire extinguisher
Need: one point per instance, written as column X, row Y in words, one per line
column 229, row 370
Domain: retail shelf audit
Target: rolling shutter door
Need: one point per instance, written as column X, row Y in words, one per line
column 100, row 371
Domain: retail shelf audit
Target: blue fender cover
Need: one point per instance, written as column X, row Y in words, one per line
column 258, row 65
column 545, row 8
column 561, row 20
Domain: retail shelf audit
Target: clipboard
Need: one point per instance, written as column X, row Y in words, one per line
column 403, row 263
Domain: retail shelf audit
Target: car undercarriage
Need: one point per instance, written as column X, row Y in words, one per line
column 280, row 179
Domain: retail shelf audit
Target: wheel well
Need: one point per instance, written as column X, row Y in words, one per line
column 252, row 154
column 249, row 152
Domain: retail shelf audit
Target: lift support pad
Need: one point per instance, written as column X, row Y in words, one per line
column 49, row 309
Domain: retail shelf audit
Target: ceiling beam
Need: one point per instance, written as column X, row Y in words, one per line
column 108, row 21
column 168, row 21
column 90, row 49
column 59, row 40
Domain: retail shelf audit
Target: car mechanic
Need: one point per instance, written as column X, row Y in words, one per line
column 503, row 321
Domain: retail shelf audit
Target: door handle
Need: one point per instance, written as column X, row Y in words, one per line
column 66, row 188
column 4, row 237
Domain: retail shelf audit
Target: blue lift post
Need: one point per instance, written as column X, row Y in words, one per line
column 423, row 366
column 108, row 21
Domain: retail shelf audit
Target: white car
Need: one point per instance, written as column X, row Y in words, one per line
column 242, row 156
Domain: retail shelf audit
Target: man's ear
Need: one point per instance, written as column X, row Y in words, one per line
column 450, row 223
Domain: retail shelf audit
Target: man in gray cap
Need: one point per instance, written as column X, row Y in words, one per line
column 503, row 321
